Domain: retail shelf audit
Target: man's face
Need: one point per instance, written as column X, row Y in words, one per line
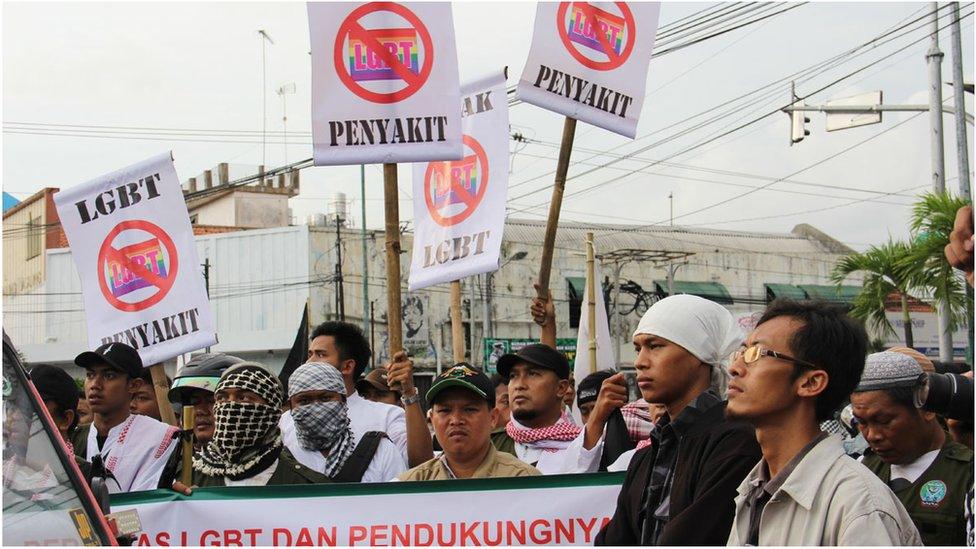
column 534, row 391
column 84, row 412
column 62, row 419
column 462, row 423
column 585, row 410
column 767, row 386
column 894, row 432
column 107, row 389
column 666, row 372
column 503, row 412
column 144, row 402
column 570, row 395
column 203, row 416
column 234, row 394
column 323, row 349
column 413, row 316
column 386, row 397
column 311, row 397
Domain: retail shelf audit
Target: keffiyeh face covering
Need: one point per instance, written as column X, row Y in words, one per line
column 246, row 436
column 322, row 426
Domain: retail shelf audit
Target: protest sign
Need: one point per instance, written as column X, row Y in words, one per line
column 459, row 206
column 384, row 83
column 545, row 510
column 131, row 240
column 589, row 60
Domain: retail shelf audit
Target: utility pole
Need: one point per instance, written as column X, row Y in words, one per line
column 934, row 60
column 264, row 95
column 486, row 308
column 372, row 333
column 362, row 192
column 617, row 321
column 670, row 276
column 340, row 298
column 471, row 347
column 962, row 152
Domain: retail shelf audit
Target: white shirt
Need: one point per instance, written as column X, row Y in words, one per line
column 548, row 463
column 387, row 462
column 260, row 479
column 364, row 416
column 913, row 470
column 135, row 451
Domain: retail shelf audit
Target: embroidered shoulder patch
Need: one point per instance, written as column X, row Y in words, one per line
column 932, row 493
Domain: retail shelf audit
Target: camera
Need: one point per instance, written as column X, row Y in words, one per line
column 949, row 395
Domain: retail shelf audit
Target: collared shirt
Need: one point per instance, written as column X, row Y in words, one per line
column 656, row 504
column 495, row 465
column 763, row 488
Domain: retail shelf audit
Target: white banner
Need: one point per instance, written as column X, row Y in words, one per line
column 459, row 206
column 549, row 510
column 604, row 345
column 131, row 240
column 384, row 83
column 589, row 61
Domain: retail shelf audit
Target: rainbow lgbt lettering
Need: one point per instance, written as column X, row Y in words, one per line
column 123, row 281
column 462, row 173
column 581, row 29
column 365, row 64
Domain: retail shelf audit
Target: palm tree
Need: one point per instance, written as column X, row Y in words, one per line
column 884, row 274
column 931, row 224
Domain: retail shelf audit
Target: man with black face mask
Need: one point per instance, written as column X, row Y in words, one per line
column 246, row 448
column 325, row 441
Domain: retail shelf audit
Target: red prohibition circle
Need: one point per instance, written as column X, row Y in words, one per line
column 614, row 60
column 472, row 205
column 350, row 25
column 164, row 285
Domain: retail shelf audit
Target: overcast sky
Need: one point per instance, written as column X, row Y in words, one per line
column 198, row 66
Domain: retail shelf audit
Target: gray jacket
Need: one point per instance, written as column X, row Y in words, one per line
column 829, row 499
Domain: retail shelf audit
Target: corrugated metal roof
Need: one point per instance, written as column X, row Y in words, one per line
column 679, row 239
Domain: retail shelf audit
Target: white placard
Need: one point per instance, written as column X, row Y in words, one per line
column 459, row 206
column 589, row 61
column 131, row 240
column 384, row 83
column 542, row 510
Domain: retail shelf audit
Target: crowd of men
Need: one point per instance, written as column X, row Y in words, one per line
column 736, row 438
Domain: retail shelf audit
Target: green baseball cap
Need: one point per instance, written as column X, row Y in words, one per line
column 465, row 376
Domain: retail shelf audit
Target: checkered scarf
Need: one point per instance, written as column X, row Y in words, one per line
column 553, row 438
column 322, row 426
column 246, row 437
column 637, row 417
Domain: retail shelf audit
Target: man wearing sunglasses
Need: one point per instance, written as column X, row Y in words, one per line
column 793, row 371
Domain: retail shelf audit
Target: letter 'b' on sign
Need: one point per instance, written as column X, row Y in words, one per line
column 382, row 57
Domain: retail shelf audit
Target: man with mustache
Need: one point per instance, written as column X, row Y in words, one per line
column 463, row 413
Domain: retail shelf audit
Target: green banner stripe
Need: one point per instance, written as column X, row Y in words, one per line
column 374, row 489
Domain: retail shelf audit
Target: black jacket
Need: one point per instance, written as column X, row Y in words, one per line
column 714, row 456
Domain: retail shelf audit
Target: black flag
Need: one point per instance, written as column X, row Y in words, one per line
column 299, row 351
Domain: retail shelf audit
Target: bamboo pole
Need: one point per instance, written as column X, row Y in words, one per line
column 161, row 388
column 457, row 328
column 392, row 217
column 188, row 420
column 559, row 186
column 591, row 299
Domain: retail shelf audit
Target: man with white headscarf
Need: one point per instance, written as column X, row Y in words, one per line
column 325, row 441
column 680, row 489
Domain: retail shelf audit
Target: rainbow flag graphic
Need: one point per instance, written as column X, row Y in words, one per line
column 365, row 64
column 583, row 29
column 121, row 280
column 461, row 173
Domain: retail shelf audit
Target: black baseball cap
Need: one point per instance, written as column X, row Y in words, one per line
column 464, row 376
column 589, row 388
column 117, row 355
column 54, row 384
column 536, row 354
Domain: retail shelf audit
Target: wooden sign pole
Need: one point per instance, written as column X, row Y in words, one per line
column 562, row 166
column 161, row 388
column 392, row 216
column 591, row 298
column 457, row 328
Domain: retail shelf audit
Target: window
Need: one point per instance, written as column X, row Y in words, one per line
column 35, row 234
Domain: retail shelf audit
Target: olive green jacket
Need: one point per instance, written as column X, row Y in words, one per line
column 288, row 471
column 936, row 500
